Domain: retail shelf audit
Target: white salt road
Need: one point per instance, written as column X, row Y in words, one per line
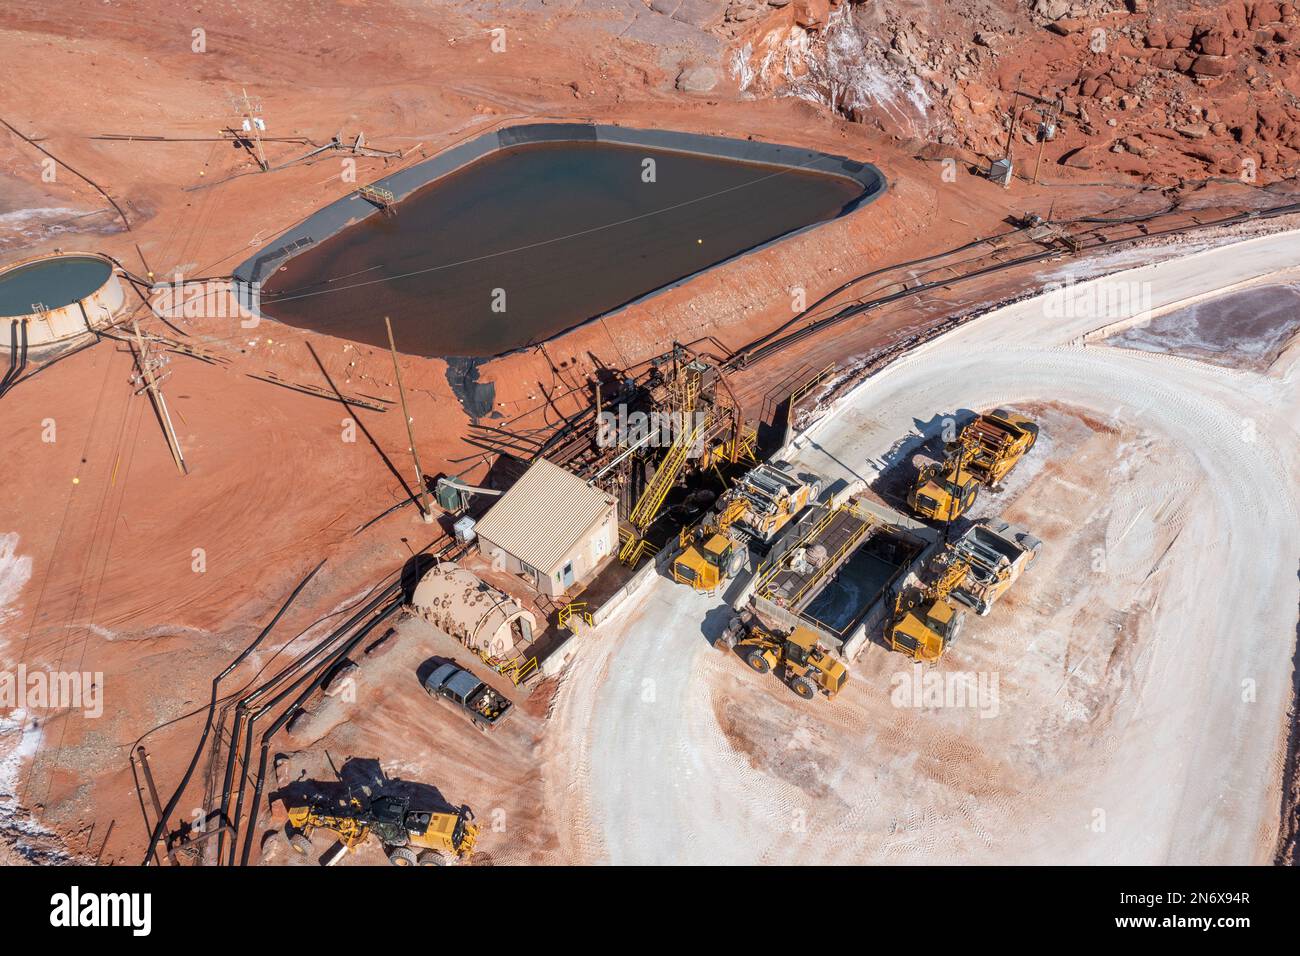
column 1185, row 766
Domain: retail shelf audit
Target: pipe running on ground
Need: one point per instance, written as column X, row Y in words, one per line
column 245, row 704
column 321, row 673
column 161, row 826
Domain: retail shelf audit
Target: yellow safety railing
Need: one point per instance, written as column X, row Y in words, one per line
column 378, row 195
column 687, row 434
column 634, row 548
column 652, row 500
column 743, row 446
column 574, row 609
column 517, row 668
column 831, row 560
column 774, row 564
column 812, row 383
column 685, row 394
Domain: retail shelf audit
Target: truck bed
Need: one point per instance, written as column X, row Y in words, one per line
column 462, row 689
column 997, row 555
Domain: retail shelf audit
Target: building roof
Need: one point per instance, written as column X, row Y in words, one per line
column 542, row 517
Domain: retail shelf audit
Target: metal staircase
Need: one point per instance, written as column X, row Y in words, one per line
column 689, row 427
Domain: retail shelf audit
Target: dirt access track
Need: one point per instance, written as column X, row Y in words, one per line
column 1143, row 663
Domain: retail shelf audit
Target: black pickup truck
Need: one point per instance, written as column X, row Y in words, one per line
column 452, row 683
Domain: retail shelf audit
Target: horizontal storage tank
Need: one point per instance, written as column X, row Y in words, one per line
column 56, row 298
column 472, row 611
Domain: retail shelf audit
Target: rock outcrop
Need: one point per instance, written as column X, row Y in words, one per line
column 950, row 73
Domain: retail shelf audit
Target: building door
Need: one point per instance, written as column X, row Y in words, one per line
column 566, row 576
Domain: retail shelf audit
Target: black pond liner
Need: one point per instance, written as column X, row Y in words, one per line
column 375, row 267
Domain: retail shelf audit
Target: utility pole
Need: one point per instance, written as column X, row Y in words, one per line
column 422, row 495
column 148, row 271
column 1004, row 167
column 1049, row 116
column 250, row 121
column 162, row 857
column 1015, row 114
column 145, row 377
column 1011, row 128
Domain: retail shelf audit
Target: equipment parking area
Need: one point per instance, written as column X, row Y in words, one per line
column 1095, row 715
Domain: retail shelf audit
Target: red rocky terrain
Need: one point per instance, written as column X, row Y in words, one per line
column 1149, row 91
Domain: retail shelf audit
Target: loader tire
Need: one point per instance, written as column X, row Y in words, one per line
column 431, row 858
column 756, row 659
column 299, row 842
column 402, row 856
column 804, row 688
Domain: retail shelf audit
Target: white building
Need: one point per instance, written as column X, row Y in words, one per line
column 552, row 528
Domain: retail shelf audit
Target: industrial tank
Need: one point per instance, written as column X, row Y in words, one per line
column 472, row 611
column 55, row 298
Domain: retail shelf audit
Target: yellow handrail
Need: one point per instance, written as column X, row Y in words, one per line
column 773, row 564
column 686, row 391
column 653, row 496
column 578, row 608
column 516, row 668
column 831, row 560
column 378, row 195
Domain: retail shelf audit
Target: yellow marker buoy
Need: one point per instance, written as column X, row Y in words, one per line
column 76, row 481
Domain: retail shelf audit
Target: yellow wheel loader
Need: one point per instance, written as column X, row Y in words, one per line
column 707, row 550
column 944, row 490
column 757, row 507
column 809, row 667
column 926, row 622
column 995, row 443
column 409, row 837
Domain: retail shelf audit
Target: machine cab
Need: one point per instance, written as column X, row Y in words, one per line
column 942, row 618
column 943, row 499
column 925, row 632
column 717, row 551
column 703, row 566
column 801, row 644
column 795, row 652
column 388, row 816
column 803, row 653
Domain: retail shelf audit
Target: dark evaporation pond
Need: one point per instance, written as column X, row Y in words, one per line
column 567, row 231
column 53, row 283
